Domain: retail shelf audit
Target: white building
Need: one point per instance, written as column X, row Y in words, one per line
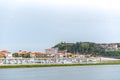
column 51, row 51
column 9, row 56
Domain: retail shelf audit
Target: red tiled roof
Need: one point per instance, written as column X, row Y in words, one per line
column 5, row 51
column 50, row 49
column 22, row 52
column 36, row 53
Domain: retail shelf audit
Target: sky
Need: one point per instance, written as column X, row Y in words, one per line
column 35, row 25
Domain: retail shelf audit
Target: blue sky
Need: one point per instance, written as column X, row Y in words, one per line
column 34, row 25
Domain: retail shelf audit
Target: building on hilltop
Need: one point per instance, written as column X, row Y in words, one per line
column 111, row 46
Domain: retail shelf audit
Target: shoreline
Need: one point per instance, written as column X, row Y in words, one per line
column 54, row 65
column 98, row 61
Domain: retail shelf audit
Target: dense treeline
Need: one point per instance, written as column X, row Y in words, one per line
column 86, row 48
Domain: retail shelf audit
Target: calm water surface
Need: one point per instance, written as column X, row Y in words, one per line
column 63, row 73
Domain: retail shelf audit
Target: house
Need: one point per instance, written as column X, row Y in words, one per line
column 111, row 46
column 36, row 54
column 21, row 53
column 1, row 56
column 51, row 51
column 5, row 54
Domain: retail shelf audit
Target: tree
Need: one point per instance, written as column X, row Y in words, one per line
column 15, row 55
column 87, row 48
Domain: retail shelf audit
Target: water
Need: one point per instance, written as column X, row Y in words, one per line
column 111, row 72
